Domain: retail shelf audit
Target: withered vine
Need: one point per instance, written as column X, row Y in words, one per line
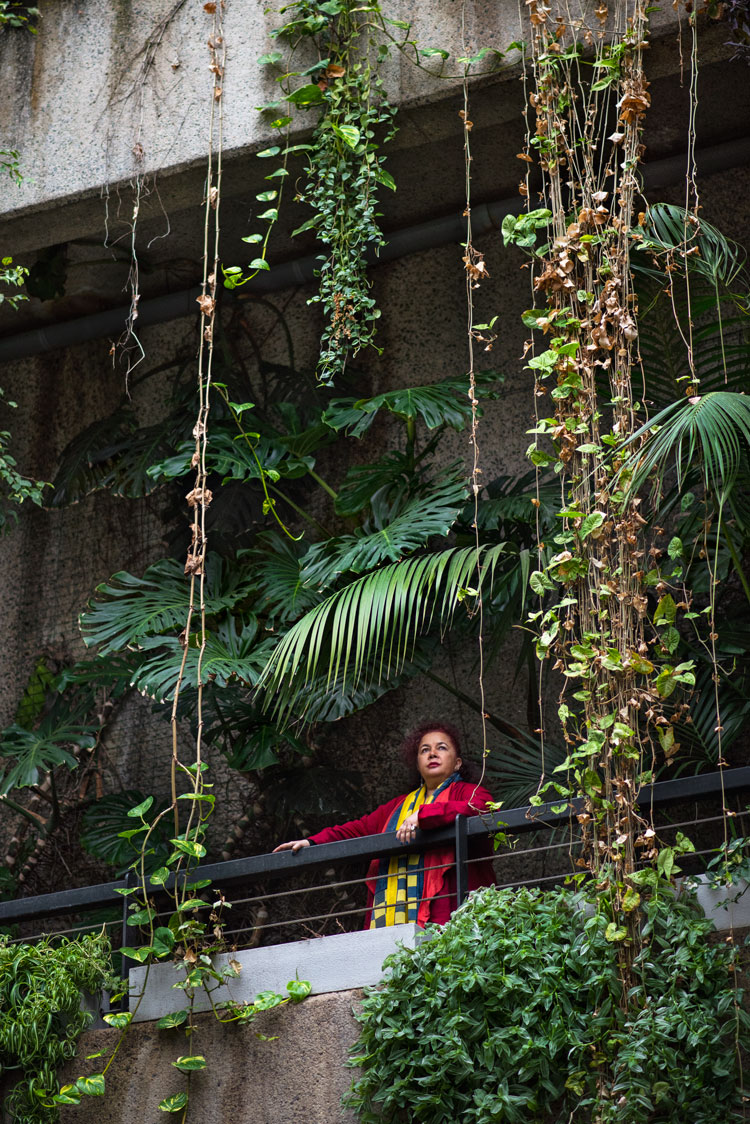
column 613, row 596
column 598, row 561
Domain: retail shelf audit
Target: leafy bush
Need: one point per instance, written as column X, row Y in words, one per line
column 513, row 1012
column 41, row 1018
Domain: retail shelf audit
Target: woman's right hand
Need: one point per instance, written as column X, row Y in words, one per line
column 293, row 845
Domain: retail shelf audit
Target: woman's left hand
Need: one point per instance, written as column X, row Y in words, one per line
column 408, row 829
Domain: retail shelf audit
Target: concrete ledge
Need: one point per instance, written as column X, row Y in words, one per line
column 728, row 907
column 339, row 963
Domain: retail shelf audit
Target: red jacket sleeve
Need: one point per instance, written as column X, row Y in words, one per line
column 442, row 813
column 371, row 824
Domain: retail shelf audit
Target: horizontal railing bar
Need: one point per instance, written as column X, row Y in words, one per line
column 238, row 871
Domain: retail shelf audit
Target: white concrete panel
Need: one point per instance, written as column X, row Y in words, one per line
column 728, row 907
column 337, row 963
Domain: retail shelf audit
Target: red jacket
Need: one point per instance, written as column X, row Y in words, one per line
column 439, row 814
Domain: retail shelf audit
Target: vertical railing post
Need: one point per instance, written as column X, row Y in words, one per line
column 462, row 854
column 130, row 881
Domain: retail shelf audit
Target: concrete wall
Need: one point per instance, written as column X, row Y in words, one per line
column 295, row 1075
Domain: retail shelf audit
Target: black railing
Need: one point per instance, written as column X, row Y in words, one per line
column 238, row 873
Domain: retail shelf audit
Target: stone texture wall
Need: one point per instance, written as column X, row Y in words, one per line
column 296, row 1075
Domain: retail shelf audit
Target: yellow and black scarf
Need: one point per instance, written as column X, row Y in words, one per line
column 400, row 881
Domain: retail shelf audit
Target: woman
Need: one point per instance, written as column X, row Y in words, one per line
column 419, row 888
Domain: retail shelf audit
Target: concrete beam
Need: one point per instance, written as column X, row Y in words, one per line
column 337, row 963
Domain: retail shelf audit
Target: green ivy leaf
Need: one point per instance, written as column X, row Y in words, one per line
column 189, row 847
column 347, row 133
column 174, row 1103
column 92, row 1086
column 298, row 990
column 175, row 1018
column 190, row 1062
column 306, row 95
column 118, row 1018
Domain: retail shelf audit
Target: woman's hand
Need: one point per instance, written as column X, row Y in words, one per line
column 408, row 829
column 293, row 845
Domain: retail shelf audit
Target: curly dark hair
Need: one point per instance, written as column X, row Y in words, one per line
column 413, row 740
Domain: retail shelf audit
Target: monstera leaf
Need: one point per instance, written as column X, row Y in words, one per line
column 231, row 653
column 114, row 453
column 441, row 403
column 419, row 519
column 33, row 753
column 105, row 820
column 128, row 609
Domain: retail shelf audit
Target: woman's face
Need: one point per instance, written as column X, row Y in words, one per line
column 437, row 758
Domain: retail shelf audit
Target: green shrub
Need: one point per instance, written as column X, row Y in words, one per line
column 513, row 1011
column 41, row 1019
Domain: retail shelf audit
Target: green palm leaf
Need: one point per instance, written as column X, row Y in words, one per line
column 129, row 609
column 514, row 767
column 370, row 625
column 441, row 403
column 720, row 260
column 392, row 473
column 714, row 428
column 277, row 576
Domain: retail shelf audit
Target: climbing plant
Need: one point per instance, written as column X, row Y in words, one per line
column 344, row 164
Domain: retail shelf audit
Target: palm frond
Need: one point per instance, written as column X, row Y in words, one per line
column 276, row 563
column 391, row 473
column 714, row 428
column 514, row 767
column 670, row 228
column 372, row 623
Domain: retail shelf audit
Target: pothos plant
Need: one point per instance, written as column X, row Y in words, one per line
column 348, row 42
column 344, row 165
column 191, row 939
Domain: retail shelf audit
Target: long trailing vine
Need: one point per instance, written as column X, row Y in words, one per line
column 344, row 165
column 614, row 658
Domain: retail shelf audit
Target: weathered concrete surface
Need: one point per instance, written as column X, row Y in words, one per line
column 105, row 79
column 340, row 962
column 297, row 1079
column 112, row 90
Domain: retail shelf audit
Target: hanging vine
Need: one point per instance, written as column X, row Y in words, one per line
column 613, row 650
column 344, row 166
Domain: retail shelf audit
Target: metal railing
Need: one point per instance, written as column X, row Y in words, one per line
column 240, row 874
